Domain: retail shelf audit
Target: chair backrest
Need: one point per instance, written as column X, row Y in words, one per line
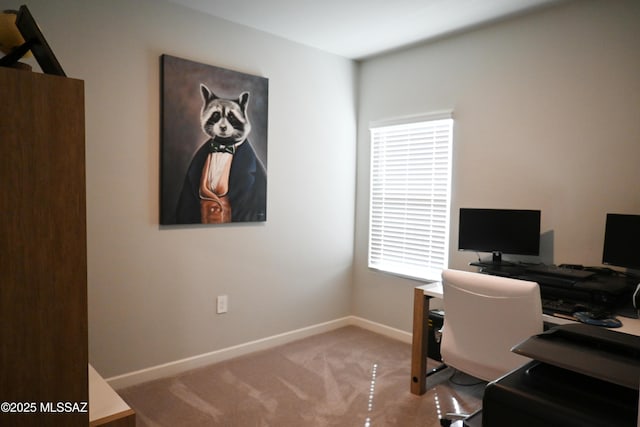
column 484, row 317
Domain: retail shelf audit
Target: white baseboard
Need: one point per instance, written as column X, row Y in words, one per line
column 381, row 329
column 179, row 366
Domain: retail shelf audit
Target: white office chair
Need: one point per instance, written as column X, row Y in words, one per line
column 484, row 317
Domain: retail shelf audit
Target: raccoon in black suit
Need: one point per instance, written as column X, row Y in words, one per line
column 225, row 182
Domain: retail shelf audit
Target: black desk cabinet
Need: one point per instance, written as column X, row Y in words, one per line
column 542, row 395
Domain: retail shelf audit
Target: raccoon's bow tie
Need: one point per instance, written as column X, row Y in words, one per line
column 215, row 147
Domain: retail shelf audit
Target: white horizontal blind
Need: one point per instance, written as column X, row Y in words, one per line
column 410, row 191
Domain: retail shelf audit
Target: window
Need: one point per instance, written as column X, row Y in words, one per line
column 410, row 192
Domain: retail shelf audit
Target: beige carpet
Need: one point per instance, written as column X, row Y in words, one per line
column 347, row 377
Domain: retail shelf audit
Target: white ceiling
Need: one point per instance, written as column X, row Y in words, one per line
column 361, row 28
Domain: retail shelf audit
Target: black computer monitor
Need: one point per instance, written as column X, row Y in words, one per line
column 622, row 241
column 500, row 231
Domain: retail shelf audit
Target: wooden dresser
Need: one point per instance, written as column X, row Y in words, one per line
column 43, row 256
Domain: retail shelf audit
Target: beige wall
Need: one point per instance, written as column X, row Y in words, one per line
column 152, row 290
column 547, row 116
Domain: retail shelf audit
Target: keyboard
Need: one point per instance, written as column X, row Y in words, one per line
column 552, row 270
column 543, row 279
column 552, row 306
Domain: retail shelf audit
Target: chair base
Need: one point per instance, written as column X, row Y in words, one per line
column 463, row 420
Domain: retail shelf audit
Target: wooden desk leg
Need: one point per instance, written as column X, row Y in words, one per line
column 420, row 342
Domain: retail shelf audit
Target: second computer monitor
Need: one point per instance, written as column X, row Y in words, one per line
column 622, row 241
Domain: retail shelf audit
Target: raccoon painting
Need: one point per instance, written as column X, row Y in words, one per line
column 225, row 182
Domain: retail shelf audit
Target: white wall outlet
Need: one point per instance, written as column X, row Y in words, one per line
column 222, row 304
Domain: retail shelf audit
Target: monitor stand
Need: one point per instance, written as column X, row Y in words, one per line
column 495, row 264
column 496, row 260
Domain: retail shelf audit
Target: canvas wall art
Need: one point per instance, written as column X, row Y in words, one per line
column 213, row 144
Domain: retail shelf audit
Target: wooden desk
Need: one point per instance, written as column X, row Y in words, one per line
column 106, row 407
column 421, row 297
